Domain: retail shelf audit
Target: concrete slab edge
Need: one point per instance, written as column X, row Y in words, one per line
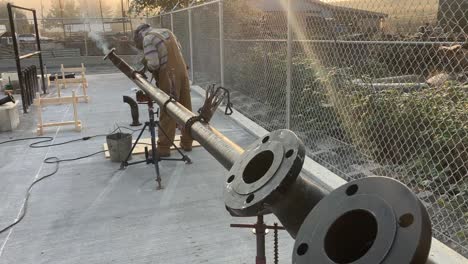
column 328, row 180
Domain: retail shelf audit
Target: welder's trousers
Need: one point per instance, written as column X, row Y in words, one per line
column 174, row 80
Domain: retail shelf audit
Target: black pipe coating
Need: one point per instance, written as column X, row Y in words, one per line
column 8, row 98
column 134, row 108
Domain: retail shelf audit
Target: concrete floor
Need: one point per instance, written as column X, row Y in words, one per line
column 90, row 212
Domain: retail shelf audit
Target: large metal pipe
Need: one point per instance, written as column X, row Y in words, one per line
column 219, row 146
column 376, row 219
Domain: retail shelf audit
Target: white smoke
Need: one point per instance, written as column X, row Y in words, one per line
column 95, row 32
column 101, row 43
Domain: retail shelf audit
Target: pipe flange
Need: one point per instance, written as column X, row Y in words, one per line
column 268, row 166
column 372, row 220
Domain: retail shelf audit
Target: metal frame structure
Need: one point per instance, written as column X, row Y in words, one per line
column 23, row 86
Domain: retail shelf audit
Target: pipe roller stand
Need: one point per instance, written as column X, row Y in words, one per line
column 368, row 221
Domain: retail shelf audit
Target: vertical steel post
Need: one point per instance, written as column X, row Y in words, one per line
column 289, row 66
column 17, row 59
column 85, row 35
column 38, row 40
column 124, row 28
column 102, row 17
column 260, row 232
column 172, row 22
column 191, row 41
column 63, row 21
column 221, row 40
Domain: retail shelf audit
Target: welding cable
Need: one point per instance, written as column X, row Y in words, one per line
column 49, row 160
column 39, row 144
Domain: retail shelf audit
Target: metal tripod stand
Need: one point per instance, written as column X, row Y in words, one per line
column 153, row 158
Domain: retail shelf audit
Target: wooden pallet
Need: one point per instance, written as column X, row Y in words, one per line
column 146, row 142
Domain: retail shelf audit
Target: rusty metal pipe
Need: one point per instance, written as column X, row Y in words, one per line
column 220, row 147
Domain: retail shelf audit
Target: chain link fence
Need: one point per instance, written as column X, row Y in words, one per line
column 71, row 37
column 373, row 88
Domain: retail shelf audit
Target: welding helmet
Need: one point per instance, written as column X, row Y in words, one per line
column 138, row 37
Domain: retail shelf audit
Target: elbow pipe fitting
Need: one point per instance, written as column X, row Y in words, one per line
column 134, row 109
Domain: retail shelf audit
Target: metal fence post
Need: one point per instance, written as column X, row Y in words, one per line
column 190, row 41
column 221, row 40
column 41, row 62
column 289, row 67
column 172, row 22
column 85, row 35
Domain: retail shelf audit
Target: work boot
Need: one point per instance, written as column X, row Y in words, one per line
column 164, row 152
column 186, row 146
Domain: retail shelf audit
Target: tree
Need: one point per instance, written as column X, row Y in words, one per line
column 140, row 6
column 61, row 9
column 94, row 7
column 21, row 23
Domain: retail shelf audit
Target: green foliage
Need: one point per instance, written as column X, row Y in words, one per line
column 425, row 131
column 256, row 66
column 311, row 110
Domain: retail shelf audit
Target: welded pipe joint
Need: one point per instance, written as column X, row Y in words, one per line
column 371, row 220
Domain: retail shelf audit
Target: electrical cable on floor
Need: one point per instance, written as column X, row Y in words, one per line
column 50, row 160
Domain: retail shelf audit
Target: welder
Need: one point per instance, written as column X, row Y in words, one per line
column 163, row 59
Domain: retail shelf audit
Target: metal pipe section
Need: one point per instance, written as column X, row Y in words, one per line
column 363, row 221
column 267, row 179
column 134, row 109
column 8, row 98
column 220, row 147
column 373, row 220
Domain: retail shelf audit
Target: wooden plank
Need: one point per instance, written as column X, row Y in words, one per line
column 53, row 124
column 75, row 80
column 54, row 101
column 146, row 142
column 74, row 70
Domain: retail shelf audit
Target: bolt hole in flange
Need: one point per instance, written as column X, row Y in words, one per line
column 258, row 166
column 250, row 198
column 289, row 153
column 351, row 236
column 265, row 140
column 302, row 249
column 406, row 220
column 351, row 190
column 231, row 178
